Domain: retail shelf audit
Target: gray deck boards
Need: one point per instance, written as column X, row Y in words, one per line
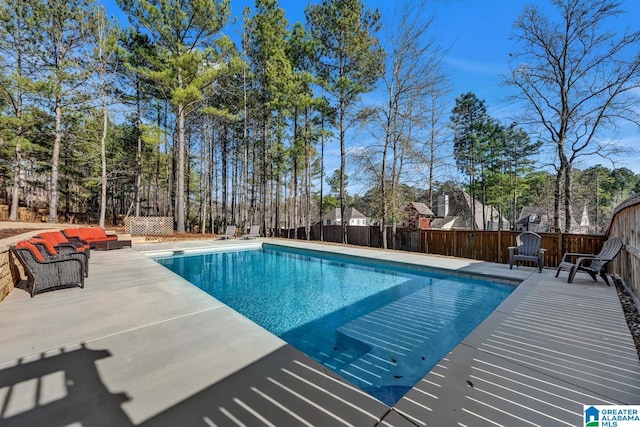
column 140, row 346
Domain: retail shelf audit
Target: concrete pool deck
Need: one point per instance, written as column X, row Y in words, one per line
column 141, row 346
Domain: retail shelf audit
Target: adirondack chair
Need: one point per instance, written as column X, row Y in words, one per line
column 528, row 249
column 590, row 263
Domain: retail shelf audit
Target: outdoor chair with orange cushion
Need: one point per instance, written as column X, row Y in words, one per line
column 58, row 239
column 45, row 273
column 74, row 235
column 60, row 252
column 91, row 235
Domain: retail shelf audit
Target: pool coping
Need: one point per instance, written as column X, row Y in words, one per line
column 120, row 323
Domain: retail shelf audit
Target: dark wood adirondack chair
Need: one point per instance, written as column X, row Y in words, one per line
column 528, row 250
column 589, row 263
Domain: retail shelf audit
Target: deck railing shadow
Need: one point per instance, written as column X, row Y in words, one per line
column 284, row 388
column 57, row 389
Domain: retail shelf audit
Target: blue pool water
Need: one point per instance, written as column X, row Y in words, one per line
column 380, row 327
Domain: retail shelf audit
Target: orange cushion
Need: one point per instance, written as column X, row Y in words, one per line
column 98, row 233
column 48, row 246
column 86, row 233
column 73, row 232
column 53, row 237
column 26, row 245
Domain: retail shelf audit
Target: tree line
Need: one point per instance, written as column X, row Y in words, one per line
column 170, row 117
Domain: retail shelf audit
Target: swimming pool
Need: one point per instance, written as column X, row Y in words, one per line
column 382, row 327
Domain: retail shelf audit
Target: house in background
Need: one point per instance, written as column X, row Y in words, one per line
column 352, row 217
column 455, row 211
column 533, row 218
column 417, row 216
column 540, row 220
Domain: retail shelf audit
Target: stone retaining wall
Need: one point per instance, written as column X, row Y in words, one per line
column 11, row 271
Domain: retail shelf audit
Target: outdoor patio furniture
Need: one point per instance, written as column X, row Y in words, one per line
column 45, row 273
column 111, row 244
column 254, row 231
column 93, row 236
column 60, row 252
column 228, row 233
column 58, row 239
column 590, row 263
column 528, row 250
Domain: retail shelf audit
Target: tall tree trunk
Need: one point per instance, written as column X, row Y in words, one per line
column 103, row 157
column 568, row 208
column 245, row 152
column 263, row 180
column 223, row 169
column 557, row 199
column 15, row 193
column 180, row 217
column 180, row 190
column 321, row 178
column 343, row 201
column 139, row 146
column 55, row 162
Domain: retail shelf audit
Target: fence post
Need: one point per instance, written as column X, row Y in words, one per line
column 455, row 243
column 499, row 250
column 560, row 248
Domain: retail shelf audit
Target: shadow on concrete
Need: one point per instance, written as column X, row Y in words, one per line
column 285, row 388
column 59, row 389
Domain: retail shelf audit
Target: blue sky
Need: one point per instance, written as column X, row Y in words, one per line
column 477, row 33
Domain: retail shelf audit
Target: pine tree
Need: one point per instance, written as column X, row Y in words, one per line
column 183, row 32
column 349, row 62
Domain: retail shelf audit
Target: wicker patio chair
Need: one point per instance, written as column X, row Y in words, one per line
column 45, row 274
column 58, row 239
column 48, row 251
column 590, row 263
column 528, row 249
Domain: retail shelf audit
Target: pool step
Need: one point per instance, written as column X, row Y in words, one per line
column 404, row 338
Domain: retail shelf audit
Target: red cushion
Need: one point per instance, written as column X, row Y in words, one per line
column 87, row 234
column 53, row 237
column 73, row 232
column 98, row 233
column 48, row 246
column 26, row 245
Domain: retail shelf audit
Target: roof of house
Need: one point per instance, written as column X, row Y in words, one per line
column 491, row 214
column 527, row 212
column 349, row 213
column 422, row 208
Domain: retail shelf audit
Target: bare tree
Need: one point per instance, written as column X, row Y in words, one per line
column 413, row 80
column 576, row 76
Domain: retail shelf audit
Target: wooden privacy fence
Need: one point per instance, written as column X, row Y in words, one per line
column 625, row 224
column 492, row 246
